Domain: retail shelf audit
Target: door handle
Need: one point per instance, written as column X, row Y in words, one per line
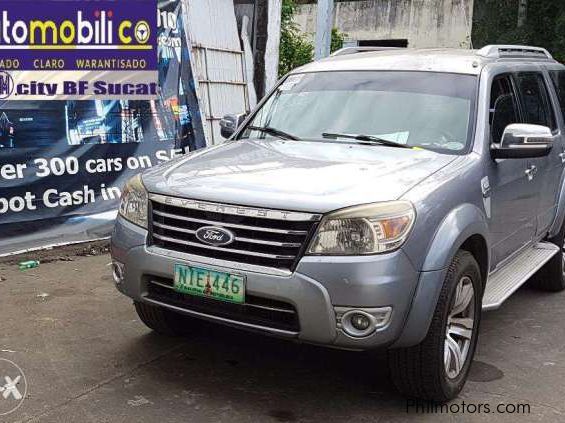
column 531, row 172
column 562, row 157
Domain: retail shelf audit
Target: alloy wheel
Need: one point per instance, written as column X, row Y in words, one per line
column 460, row 326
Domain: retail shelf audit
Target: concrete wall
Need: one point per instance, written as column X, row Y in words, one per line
column 425, row 23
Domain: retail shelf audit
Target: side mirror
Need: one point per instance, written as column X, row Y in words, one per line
column 521, row 140
column 230, row 123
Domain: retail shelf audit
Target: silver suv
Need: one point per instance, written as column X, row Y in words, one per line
column 372, row 200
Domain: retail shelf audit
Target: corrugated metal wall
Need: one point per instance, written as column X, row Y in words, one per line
column 218, row 62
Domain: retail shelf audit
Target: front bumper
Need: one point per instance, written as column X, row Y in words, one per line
column 317, row 288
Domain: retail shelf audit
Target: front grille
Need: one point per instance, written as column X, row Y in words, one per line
column 256, row 310
column 263, row 237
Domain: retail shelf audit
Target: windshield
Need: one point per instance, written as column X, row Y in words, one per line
column 419, row 109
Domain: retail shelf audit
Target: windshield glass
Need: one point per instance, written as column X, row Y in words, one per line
column 420, row 109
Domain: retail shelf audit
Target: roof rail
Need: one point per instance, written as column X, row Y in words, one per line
column 352, row 50
column 500, row 51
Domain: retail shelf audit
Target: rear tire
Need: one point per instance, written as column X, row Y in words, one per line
column 437, row 368
column 161, row 320
column 551, row 277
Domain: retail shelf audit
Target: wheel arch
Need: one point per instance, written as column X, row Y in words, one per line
column 477, row 245
column 464, row 225
column 463, row 228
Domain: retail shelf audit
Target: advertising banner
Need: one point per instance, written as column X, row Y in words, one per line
column 78, row 49
column 63, row 162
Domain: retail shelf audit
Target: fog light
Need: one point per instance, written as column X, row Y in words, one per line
column 118, row 272
column 360, row 321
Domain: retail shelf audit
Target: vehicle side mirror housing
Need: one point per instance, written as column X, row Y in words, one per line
column 521, row 140
column 230, row 123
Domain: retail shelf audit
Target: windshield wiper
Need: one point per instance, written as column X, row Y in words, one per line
column 274, row 132
column 365, row 138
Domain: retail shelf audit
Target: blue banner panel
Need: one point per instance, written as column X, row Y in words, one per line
column 72, row 32
column 63, row 163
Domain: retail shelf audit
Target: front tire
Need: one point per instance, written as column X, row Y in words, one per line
column 437, row 368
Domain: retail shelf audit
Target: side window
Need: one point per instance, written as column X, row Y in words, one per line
column 503, row 107
column 535, row 99
column 558, row 78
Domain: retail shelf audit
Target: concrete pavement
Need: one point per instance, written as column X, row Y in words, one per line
column 87, row 358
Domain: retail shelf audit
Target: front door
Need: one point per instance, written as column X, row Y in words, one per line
column 513, row 192
column 556, row 160
column 537, row 110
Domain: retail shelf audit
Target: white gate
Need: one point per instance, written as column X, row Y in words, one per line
column 218, row 62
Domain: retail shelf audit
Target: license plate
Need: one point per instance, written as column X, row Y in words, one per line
column 209, row 283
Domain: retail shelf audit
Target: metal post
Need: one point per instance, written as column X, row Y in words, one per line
column 324, row 28
column 273, row 45
column 261, row 34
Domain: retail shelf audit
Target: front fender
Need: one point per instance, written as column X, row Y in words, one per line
column 460, row 224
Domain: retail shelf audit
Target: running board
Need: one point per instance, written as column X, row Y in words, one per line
column 503, row 282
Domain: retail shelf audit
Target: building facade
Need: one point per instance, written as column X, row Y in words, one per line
column 397, row 23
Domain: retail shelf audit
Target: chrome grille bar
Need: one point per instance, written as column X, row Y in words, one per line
column 234, row 210
column 237, row 238
column 229, row 250
column 229, row 225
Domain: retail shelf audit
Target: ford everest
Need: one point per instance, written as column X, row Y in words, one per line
column 372, row 200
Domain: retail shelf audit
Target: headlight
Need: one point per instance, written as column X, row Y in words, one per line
column 133, row 205
column 367, row 229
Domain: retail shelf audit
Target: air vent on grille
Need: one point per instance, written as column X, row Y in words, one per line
column 269, row 238
column 256, row 310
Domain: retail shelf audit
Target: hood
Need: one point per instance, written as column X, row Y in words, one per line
column 295, row 175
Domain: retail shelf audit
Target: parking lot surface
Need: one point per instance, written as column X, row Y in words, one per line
column 87, row 358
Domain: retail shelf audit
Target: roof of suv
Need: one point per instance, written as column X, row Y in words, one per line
column 436, row 59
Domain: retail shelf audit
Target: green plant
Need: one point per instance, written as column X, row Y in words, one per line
column 337, row 40
column 295, row 48
column 496, row 22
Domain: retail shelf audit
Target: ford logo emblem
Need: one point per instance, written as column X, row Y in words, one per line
column 214, row 236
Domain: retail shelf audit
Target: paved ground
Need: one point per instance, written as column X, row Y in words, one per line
column 87, row 358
